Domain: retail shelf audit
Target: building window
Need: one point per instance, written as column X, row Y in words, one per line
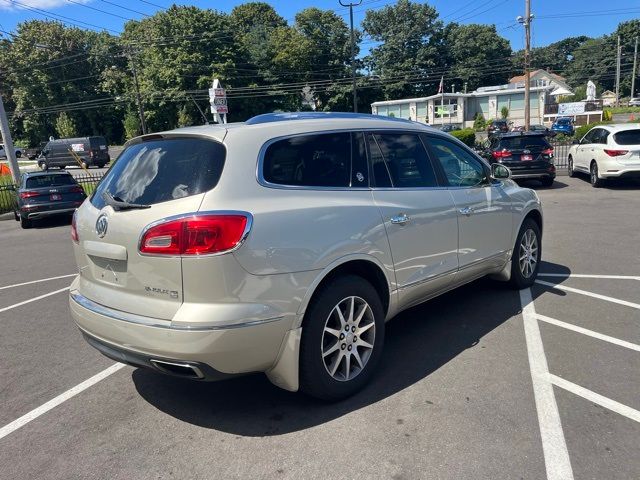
column 394, row 111
column 421, row 109
column 446, row 109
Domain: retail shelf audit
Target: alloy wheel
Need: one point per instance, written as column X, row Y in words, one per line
column 594, row 174
column 528, row 253
column 348, row 338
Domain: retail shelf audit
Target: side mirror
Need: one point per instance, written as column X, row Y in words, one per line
column 499, row 171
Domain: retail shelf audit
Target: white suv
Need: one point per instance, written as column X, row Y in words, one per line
column 283, row 244
column 607, row 151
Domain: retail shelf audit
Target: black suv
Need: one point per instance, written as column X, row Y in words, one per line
column 43, row 194
column 527, row 154
column 497, row 126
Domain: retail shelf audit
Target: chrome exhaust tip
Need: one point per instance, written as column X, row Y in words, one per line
column 184, row 370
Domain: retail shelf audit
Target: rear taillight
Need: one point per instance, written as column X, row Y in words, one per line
column 77, row 189
column 74, row 230
column 615, row 153
column 196, row 235
column 547, row 151
column 29, row 194
column 501, row 153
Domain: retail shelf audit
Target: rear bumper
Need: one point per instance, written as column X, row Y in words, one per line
column 216, row 352
column 620, row 172
column 525, row 175
column 45, row 213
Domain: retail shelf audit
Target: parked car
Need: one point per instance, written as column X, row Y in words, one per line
column 634, row 102
column 449, row 128
column 283, row 244
column 497, row 126
column 34, row 152
column 43, row 195
column 61, row 153
column 517, row 128
column 3, row 153
column 527, row 154
column 607, row 151
column 542, row 129
column 563, row 125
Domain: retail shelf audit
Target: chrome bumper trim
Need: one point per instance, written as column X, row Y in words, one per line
column 94, row 307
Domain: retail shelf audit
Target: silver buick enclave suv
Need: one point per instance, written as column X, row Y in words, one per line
column 283, row 244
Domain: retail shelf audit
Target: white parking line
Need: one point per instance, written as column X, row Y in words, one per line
column 596, row 398
column 16, row 305
column 577, row 275
column 37, row 281
column 554, row 446
column 591, row 333
column 54, row 402
column 589, row 294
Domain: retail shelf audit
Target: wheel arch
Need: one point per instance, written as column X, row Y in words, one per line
column 536, row 216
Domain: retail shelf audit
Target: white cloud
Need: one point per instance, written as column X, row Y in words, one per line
column 44, row 4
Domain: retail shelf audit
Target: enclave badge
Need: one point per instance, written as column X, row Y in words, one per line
column 101, row 225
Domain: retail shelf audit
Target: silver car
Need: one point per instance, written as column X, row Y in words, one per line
column 283, row 244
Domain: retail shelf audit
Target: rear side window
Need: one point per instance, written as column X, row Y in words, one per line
column 318, row 160
column 161, row 170
column 399, row 160
column 524, row 142
column 628, row 137
column 42, row 181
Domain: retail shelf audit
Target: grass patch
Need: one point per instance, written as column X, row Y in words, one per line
column 623, row 109
column 7, row 195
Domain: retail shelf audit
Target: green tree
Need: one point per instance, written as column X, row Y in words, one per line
column 65, row 126
column 504, row 112
column 131, row 124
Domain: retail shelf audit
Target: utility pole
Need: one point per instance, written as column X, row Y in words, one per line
column 618, row 73
column 353, row 52
column 8, row 144
column 633, row 75
column 143, row 123
column 526, row 21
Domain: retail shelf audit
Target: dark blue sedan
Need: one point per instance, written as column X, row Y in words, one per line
column 43, row 194
column 563, row 125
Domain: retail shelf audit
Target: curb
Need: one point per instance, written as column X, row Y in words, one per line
column 6, row 216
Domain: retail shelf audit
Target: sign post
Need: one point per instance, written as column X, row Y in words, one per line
column 218, row 102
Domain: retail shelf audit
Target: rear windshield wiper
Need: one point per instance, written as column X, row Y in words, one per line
column 118, row 204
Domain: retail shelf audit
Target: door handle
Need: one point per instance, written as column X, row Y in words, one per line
column 401, row 219
column 466, row 211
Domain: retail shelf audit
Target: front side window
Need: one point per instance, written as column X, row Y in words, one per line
column 317, row 160
column 460, row 167
column 590, row 136
column 156, row 171
column 399, row 160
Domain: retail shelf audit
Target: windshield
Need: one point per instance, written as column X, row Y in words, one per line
column 42, row 181
column 162, row 170
column 628, row 137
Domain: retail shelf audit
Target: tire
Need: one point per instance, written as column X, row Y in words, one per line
column 596, row 181
column 101, row 165
column 62, row 167
column 547, row 181
column 570, row 171
column 316, row 378
column 25, row 223
column 44, row 166
column 521, row 276
column 18, row 154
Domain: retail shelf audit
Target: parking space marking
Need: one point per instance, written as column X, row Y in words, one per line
column 596, row 398
column 54, row 402
column 37, row 281
column 16, row 305
column 589, row 294
column 554, row 446
column 591, row 333
column 577, row 275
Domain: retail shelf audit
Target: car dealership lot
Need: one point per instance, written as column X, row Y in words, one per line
column 455, row 396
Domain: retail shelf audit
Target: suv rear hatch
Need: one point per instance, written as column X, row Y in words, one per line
column 523, row 152
column 51, row 192
column 155, row 178
column 627, row 149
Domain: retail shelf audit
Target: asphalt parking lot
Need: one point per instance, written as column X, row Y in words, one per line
column 483, row 382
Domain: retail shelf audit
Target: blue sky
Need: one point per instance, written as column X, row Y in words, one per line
column 554, row 21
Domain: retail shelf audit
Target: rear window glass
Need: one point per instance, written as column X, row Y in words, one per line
column 524, row 142
column 161, row 170
column 628, row 137
column 319, row 160
column 42, row 181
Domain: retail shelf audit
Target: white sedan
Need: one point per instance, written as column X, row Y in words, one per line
column 607, row 151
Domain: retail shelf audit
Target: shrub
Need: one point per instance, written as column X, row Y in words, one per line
column 582, row 130
column 466, row 136
column 607, row 115
column 479, row 123
column 504, row 111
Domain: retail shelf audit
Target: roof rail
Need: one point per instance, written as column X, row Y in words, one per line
column 282, row 117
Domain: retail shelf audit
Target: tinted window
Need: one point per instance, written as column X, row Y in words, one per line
column 600, row 136
column 160, row 170
column 42, row 181
column 590, row 136
column 322, row 160
column 628, row 137
column 461, row 168
column 404, row 159
column 523, row 142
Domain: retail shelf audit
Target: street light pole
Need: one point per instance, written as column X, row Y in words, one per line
column 353, row 52
column 143, row 123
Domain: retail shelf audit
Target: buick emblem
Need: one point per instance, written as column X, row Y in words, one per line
column 101, row 225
